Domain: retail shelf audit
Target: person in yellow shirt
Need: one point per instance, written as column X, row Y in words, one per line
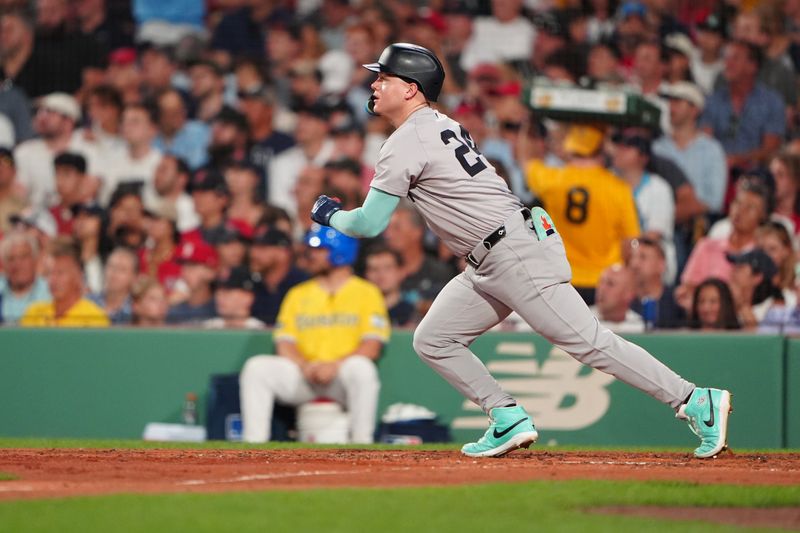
column 329, row 332
column 68, row 307
column 593, row 209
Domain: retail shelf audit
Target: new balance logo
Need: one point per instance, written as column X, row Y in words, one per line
column 559, row 394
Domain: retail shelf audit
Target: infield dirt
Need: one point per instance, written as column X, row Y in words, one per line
column 49, row 473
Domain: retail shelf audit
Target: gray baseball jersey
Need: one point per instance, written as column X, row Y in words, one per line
column 432, row 160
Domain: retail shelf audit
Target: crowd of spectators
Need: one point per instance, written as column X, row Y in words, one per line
column 159, row 159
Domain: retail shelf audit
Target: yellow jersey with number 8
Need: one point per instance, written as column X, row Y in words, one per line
column 592, row 209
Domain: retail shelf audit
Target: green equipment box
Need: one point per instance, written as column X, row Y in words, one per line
column 607, row 106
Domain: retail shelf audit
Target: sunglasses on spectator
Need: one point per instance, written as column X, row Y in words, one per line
column 635, row 141
column 510, row 125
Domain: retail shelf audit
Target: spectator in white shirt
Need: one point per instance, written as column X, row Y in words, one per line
column 138, row 162
column 104, row 112
column 172, row 175
column 504, row 37
column 315, row 147
column 707, row 62
column 55, row 120
column 616, row 290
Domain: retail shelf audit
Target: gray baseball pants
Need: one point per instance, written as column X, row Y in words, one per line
column 529, row 276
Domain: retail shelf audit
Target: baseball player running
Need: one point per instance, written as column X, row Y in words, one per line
column 516, row 261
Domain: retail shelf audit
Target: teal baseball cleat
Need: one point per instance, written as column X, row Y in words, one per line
column 707, row 413
column 510, row 428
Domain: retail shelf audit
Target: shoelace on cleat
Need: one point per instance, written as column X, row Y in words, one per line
column 694, row 426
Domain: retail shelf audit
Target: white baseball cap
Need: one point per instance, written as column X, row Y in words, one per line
column 680, row 42
column 63, row 104
column 685, row 90
column 41, row 219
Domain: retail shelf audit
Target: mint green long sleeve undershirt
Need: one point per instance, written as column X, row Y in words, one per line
column 368, row 220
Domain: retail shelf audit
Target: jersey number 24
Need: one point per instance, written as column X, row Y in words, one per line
column 467, row 147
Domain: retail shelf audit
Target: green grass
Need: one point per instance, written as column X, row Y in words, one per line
column 5, row 476
column 532, row 506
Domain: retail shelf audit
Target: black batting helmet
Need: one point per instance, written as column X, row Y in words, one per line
column 414, row 64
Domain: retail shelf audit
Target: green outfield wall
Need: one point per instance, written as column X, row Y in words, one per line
column 110, row 383
column 792, row 412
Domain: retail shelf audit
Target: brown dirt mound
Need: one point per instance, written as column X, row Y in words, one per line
column 46, row 473
column 781, row 517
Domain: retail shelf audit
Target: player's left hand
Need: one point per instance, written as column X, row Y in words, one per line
column 324, row 208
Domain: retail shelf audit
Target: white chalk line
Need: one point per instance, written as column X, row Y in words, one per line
column 17, row 488
column 282, row 475
column 312, row 473
column 624, row 463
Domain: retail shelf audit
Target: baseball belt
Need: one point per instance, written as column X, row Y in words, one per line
column 482, row 249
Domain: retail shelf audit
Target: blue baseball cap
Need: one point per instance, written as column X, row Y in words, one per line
column 632, row 9
column 343, row 248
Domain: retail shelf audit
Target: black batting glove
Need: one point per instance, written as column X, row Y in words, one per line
column 324, row 208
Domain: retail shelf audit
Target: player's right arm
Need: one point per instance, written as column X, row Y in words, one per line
column 401, row 158
column 370, row 219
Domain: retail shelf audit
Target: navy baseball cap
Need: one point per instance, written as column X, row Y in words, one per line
column 91, row 209
column 239, row 278
column 232, row 117
column 714, row 23
column 271, row 237
column 319, row 110
column 758, row 260
column 209, row 179
column 345, row 163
